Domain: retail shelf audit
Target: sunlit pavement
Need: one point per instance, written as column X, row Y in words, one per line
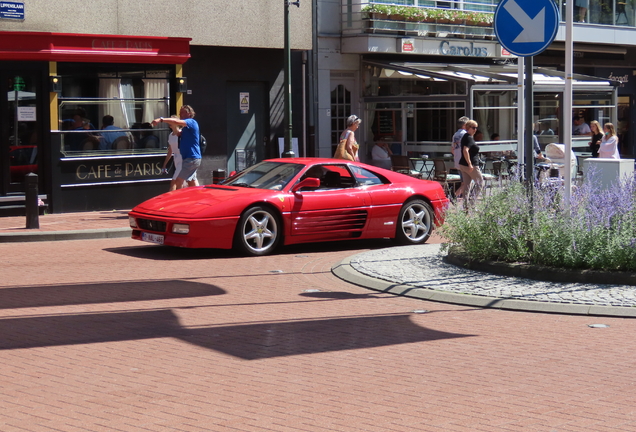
column 114, row 334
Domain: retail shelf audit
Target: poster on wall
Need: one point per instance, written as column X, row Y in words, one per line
column 26, row 114
column 244, row 102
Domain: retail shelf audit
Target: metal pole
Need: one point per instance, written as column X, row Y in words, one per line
column 304, row 104
column 567, row 102
column 288, row 153
column 529, row 117
column 521, row 111
column 16, row 135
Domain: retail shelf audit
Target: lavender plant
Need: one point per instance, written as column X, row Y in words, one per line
column 597, row 230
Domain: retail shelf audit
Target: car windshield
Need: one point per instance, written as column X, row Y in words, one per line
column 266, row 175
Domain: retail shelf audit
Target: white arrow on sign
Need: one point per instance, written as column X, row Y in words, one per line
column 533, row 28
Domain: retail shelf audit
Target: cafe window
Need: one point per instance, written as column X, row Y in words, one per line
column 496, row 113
column 110, row 112
column 433, row 121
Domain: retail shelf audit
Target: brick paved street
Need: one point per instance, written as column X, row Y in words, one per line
column 116, row 335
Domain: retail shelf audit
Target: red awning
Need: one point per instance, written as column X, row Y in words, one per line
column 65, row 47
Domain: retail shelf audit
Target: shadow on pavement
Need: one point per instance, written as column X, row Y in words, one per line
column 159, row 253
column 60, row 295
column 89, row 328
column 340, row 295
column 268, row 340
column 245, row 341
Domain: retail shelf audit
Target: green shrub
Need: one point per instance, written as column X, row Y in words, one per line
column 598, row 231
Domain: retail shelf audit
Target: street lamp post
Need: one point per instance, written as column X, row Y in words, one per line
column 288, row 153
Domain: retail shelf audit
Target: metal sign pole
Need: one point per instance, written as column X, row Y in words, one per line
column 529, row 137
column 567, row 102
column 521, row 109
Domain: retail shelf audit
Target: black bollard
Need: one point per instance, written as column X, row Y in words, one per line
column 31, row 201
column 218, row 176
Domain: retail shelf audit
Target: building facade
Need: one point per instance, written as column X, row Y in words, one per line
column 411, row 68
column 66, row 70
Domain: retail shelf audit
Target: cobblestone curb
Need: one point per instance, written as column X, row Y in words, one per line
column 65, row 235
column 541, row 273
column 420, row 272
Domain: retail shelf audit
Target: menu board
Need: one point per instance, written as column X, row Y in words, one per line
column 385, row 121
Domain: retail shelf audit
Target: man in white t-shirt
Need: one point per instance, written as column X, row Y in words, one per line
column 580, row 127
column 456, row 147
column 381, row 155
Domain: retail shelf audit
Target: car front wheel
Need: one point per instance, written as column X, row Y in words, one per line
column 258, row 232
column 415, row 223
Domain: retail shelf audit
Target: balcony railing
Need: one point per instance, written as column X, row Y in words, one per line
column 472, row 20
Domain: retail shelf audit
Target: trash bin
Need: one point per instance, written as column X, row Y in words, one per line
column 218, row 176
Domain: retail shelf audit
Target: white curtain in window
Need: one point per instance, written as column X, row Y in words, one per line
column 155, row 89
column 127, row 93
column 109, row 88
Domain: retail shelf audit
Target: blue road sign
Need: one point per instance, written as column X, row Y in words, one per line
column 526, row 27
column 12, row 10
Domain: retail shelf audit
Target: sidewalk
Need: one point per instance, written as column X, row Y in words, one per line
column 66, row 226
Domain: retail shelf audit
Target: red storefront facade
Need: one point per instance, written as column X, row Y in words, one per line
column 54, row 81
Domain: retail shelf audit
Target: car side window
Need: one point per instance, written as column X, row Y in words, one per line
column 331, row 176
column 366, row 177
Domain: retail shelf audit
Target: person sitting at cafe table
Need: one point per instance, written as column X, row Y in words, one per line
column 546, row 129
column 579, row 126
column 75, row 141
column 381, row 155
column 108, row 138
column 147, row 138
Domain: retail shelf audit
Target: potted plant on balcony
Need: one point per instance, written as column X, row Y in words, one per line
column 376, row 11
column 427, row 15
column 398, row 13
column 443, row 16
column 482, row 19
column 457, row 17
column 412, row 14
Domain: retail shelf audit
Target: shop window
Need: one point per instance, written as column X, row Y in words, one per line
column 111, row 112
column 496, row 113
column 434, row 121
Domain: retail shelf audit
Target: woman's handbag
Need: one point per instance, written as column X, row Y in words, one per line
column 341, row 151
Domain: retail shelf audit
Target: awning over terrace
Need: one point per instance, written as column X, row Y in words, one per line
column 488, row 74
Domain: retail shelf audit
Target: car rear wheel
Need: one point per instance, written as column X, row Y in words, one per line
column 258, row 232
column 415, row 223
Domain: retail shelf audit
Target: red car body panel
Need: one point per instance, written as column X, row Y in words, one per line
column 22, row 161
column 212, row 212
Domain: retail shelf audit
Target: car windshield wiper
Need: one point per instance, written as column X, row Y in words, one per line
column 242, row 185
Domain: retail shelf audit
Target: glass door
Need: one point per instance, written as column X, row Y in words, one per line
column 20, row 128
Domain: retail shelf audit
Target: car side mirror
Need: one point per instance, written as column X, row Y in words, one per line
column 309, row 182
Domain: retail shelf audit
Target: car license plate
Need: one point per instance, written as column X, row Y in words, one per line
column 152, row 238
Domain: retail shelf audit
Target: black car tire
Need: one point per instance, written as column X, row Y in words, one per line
column 415, row 222
column 258, row 232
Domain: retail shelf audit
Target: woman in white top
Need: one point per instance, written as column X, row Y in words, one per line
column 173, row 151
column 609, row 143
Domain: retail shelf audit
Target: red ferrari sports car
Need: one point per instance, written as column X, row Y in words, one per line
column 288, row 201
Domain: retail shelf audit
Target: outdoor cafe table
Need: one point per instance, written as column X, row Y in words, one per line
column 425, row 166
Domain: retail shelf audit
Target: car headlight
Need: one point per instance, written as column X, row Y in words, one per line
column 132, row 222
column 180, row 228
